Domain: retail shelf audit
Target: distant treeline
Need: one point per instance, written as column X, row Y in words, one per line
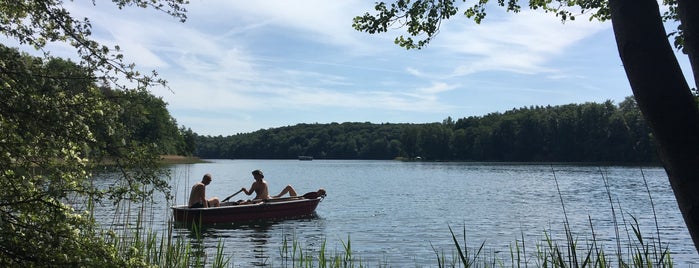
column 589, row 132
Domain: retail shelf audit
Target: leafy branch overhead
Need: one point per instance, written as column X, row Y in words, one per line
column 424, row 17
column 38, row 23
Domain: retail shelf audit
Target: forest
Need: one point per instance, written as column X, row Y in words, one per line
column 589, row 132
column 145, row 116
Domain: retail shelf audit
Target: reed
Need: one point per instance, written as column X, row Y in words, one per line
column 150, row 249
column 296, row 256
column 142, row 247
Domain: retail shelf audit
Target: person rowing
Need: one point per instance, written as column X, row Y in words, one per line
column 261, row 190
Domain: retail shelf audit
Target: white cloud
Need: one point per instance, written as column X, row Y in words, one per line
column 522, row 42
column 437, row 87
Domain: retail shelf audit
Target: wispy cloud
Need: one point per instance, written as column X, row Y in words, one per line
column 522, row 42
column 317, row 21
column 437, row 87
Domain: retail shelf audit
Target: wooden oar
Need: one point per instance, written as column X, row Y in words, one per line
column 309, row 195
column 229, row 197
column 280, row 199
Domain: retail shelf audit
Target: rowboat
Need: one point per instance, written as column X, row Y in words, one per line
column 254, row 210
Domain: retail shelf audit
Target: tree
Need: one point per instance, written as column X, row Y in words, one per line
column 56, row 125
column 188, row 141
column 659, row 87
column 148, row 118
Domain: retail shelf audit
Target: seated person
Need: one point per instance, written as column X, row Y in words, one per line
column 261, row 190
column 197, row 198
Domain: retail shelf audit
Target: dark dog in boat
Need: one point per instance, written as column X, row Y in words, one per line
column 316, row 194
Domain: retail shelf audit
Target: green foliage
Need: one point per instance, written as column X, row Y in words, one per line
column 342, row 141
column 424, row 17
column 39, row 22
column 188, row 144
column 46, row 138
column 587, row 132
column 57, row 125
column 149, row 120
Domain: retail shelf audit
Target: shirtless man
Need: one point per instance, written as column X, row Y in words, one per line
column 197, row 199
column 259, row 187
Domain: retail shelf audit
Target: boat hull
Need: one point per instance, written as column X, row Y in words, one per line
column 274, row 209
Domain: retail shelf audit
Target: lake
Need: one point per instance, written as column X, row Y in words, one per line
column 399, row 213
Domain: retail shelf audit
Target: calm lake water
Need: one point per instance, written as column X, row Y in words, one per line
column 398, row 213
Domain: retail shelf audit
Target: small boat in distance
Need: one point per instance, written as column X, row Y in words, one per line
column 267, row 209
column 305, row 157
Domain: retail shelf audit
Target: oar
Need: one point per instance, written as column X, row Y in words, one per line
column 229, row 197
column 309, row 195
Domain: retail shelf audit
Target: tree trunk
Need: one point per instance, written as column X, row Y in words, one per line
column 688, row 11
column 664, row 97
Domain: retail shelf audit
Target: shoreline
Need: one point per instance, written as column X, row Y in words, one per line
column 178, row 159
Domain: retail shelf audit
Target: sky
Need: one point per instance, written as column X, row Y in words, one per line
column 241, row 66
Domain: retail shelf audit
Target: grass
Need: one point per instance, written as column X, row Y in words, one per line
column 149, row 249
column 166, row 160
column 178, row 159
column 631, row 248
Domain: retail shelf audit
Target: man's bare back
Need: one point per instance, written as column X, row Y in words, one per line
column 197, row 198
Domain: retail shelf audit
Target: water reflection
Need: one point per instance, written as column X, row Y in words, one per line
column 260, row 240
column 261, row 225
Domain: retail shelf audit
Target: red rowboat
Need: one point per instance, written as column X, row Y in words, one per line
column 268, row 209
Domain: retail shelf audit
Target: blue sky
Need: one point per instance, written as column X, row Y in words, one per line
column 240, row 66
